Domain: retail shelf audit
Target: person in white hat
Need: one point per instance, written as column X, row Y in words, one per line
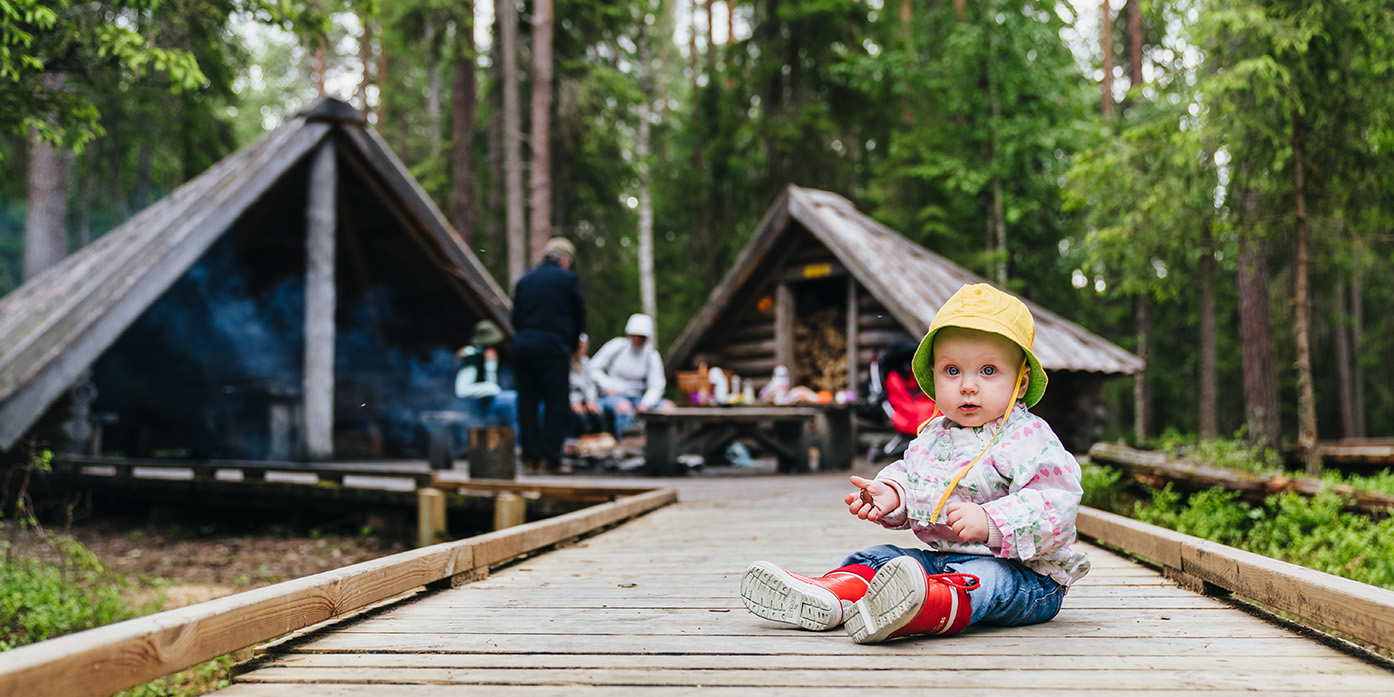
column 629, row 373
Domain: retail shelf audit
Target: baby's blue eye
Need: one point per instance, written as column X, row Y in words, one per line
column 951, row 370
column 989, row 370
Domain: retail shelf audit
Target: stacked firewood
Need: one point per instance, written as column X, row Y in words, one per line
column 820, row 351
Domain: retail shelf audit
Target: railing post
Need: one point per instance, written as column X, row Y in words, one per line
column 430, row 517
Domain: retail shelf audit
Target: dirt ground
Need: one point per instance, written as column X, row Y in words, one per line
column 189, row 567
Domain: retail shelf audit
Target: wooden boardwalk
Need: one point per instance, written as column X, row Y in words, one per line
column 651, row 608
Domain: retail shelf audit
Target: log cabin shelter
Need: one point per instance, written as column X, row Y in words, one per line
column 302, row 299
column 821, row 288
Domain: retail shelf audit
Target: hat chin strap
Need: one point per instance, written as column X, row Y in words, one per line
column 1017, row 393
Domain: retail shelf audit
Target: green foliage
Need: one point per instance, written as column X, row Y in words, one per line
column 40, row 600
column 50, row 50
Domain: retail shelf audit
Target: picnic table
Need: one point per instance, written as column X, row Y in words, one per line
column 786, row 431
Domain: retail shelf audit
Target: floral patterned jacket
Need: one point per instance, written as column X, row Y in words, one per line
column 1027, row 482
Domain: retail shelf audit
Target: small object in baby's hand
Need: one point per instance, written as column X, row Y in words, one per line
column 866, row 497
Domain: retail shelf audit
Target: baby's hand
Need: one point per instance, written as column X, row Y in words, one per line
column 882, row 499
column 969, row 521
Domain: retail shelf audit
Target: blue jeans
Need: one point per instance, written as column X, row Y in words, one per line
column 1008, row 594
column 621, row 419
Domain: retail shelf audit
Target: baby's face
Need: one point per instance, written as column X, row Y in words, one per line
column 975, row 375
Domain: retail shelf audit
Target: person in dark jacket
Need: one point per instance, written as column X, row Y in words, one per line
column 548, row 318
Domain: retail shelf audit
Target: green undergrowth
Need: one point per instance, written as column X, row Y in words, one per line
column 1315, row 532
column 69, row 591
column 56, row 586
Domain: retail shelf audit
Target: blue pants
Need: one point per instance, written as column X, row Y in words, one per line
column 621, row 419
column 1008, row 594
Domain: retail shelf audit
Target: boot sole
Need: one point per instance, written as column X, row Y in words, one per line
column 775, row 594
column 895, row 596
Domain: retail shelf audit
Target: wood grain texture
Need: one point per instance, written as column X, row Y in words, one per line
column 107, row 659
column 652, row 608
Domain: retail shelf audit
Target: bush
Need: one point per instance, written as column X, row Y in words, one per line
column 40, row 600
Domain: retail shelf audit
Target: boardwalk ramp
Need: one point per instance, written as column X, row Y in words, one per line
column 651, row 608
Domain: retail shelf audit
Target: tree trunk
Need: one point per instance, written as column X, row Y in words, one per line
column 540, row 208
column 434, row 88
column 493, row 199
column 1142, row 392
column 1306, row 398
column 1106, row 24
column 512, row 142
column 1357, row 335
column 907, row 16
column 997, row 234
column 1134, row 44
column 365, row 56
column 1256, row 330
column 1345, row 391
column 647, row 292
column 1208, row 418
column 382, row 86
column 462, row 98
column 46, row 216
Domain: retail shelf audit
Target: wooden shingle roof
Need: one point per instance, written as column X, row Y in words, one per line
column 56, row 325
column 909, row 280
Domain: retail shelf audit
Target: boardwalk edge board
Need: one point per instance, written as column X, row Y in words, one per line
column 1359, row 610
column 108, row 659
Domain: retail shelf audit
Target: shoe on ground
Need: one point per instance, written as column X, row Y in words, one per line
column 776, row 594
column 903, row 600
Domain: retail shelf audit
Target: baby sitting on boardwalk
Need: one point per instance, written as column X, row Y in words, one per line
column 987, row 487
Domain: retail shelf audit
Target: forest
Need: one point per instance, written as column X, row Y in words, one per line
column 1204, row 182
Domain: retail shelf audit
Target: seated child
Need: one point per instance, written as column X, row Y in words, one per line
column 987, row 487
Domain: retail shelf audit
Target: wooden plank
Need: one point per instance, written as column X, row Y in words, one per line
column 736, row 661
column 1363, row 611
column 1002, row 677
column 693, row 690
column 111, row 658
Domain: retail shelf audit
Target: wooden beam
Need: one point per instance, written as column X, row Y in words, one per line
column 108, row 659
column 1360, row 610
column 784, row 313
column 320, row 299
column 1156, row 467
column 853, row 365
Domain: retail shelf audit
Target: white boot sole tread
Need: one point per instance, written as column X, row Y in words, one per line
column 896, row 595
column 775, row 594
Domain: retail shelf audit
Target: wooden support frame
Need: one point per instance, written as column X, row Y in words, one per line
column 321, row 227
column 1349, row 607
column 108, row 659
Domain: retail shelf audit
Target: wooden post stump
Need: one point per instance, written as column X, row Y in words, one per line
column 430, row 517
column 510, row 509
column 491, row 453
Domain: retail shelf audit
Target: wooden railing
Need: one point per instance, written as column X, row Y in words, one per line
column 1348, row 607
column 108, row 659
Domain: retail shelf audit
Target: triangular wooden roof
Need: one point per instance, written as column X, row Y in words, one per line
column 58, row 323
column 909, row 280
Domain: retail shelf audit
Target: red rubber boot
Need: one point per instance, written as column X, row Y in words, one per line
column 812, row 603
column 903, row 600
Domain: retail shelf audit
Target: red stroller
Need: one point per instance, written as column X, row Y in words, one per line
column 905, row 406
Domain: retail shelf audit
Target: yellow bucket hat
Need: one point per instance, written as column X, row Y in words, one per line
column 987, row 309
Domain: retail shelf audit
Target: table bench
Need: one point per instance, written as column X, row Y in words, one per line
column 785, row 431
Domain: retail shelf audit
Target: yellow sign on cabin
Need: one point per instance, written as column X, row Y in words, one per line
column 817, row 270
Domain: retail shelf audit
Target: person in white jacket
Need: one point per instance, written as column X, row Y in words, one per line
column 629, row 374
